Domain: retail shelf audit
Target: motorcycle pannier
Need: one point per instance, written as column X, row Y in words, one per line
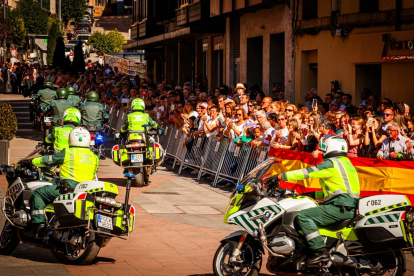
column 119, row 154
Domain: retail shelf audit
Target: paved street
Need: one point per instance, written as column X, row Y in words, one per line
column 178, row 227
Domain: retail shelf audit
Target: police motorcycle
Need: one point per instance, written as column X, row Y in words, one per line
column 79, row 222
column 370, row 243
column 97, row 144
column 139, row 153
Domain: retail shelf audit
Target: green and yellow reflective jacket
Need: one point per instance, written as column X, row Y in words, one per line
column 46, row 96
column 337, row 177
column 76, row 164
column 59, row 107
column 60, row 137
column 76, row 100
column 93, row 113
column 135, row 121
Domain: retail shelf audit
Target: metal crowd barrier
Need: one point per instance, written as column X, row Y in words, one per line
column 219, row 158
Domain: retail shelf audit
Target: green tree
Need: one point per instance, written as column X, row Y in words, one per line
column 53, row 34
column 107, row 42
column 78, row 64
column 14, row 27
column 72, row 10
column 34, row 17
column 67, row 65
column 8, row 121
column 59, row 54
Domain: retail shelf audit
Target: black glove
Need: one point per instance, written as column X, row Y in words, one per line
column 272, row 181
column 25, row 162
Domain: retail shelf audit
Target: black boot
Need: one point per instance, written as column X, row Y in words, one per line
column 320, row 255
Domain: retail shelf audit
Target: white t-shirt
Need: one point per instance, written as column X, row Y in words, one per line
column 233, row 135
column 271, row 132
column 211, row 122
column 285, row 134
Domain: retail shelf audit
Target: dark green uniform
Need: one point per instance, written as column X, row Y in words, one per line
column 59, row 107
column 76, row 100
column 46, row 96
column 93, row 113
column 76, row 165
column 340, row 192
column 60, row 137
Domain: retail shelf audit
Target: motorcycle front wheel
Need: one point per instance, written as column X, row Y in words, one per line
column 250, row 265
column 8, row 239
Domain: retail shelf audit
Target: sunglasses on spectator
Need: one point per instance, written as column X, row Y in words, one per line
column 387, row 114
column 180, row 106
column 359, row 108
column 238, row 114
column 339, row 97
column 281, row 119
column 250, row 105
column 384, row 103
column 290, row 110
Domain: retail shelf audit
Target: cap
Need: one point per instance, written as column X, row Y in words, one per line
column 204, row 105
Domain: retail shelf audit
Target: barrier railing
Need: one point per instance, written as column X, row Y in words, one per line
column 220, row 158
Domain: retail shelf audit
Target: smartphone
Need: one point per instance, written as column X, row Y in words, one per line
column 370, row 120
column 172, row 107
column 314, row 102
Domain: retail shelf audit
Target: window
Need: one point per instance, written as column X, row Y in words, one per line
column 368, row 6
column 309, row 9
column 101, row 3
column 142, row 10
column 186, row 2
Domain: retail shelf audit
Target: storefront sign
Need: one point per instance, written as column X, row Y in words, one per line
column 395, row 45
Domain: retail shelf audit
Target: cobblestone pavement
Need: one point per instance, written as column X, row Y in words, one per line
column 178, row 224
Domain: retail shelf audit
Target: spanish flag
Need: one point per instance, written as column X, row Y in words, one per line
column 375, row 177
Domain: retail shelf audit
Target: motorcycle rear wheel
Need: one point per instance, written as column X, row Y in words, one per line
column 393, row 264
column 78, row 257
column 8, row 239
column 139, row 178
column 252, row 262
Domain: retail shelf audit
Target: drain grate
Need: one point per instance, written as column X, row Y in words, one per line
column 161, row 193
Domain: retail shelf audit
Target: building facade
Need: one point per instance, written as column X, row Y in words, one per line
column 215, row 42
column 360, row 43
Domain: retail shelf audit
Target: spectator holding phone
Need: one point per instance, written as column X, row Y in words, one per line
column 374, row 136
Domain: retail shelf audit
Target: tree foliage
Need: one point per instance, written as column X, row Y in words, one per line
column 78, row 64
column 110, row 42
column 8, row 121
column 14, row 27
column 34, row 17
column 59, row 54
column 72, row 10
column 53, row 34
column 67, row 65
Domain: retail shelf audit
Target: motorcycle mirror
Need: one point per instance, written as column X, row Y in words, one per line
column 117, row 135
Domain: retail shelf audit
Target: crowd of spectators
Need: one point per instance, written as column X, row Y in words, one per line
column 373, row 128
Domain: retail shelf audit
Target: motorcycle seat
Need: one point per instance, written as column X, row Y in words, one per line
column 337, row 226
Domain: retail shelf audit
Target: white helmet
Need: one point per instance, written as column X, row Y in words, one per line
column 332, row 145
column 79, row 137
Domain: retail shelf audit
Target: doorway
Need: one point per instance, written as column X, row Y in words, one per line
column 277, row 61
column 367, row 76
column 255, row 61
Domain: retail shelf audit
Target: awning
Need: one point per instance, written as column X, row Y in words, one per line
column 152, row 40
column 40, row 42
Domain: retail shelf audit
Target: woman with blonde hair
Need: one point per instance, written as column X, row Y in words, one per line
column 354, row 137
column 291, row 110
column 293, row 137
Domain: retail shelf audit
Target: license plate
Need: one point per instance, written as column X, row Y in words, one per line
column 104, row 222
column 47, row 120
column 137, row 158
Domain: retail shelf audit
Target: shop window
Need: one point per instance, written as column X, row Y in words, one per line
column 368, row 6
column 309, row 9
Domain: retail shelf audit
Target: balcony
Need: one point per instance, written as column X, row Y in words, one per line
column 148, row 27
column 134, row 32
column 220, row 7
column 191, row 13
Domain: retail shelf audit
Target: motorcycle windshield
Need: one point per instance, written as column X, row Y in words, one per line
column 257, row 172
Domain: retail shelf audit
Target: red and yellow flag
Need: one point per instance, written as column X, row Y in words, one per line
column 375, row 177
